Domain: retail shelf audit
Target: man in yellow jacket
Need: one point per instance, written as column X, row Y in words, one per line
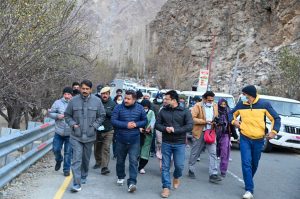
column 203, row 114
column 252, row 124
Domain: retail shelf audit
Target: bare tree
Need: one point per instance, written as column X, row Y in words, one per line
column 44, row 46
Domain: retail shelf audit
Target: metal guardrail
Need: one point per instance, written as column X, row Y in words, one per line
column 39, row 142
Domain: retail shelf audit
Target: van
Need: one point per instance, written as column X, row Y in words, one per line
column 289, row 133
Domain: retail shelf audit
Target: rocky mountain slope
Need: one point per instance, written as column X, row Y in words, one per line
column 248, row 37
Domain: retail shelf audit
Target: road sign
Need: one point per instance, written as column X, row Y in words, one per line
column 203, row 80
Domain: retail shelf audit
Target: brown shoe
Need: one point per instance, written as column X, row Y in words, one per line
column 176, row 183
column 165, row 193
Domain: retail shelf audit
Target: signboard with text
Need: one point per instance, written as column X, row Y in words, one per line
column 203, row 80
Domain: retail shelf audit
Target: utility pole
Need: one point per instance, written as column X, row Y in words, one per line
column 211, row 60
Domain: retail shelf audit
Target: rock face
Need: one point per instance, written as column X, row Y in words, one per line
column 248, row 36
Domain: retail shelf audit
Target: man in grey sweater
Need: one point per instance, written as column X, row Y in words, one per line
column 84, row 114
column 62, row 132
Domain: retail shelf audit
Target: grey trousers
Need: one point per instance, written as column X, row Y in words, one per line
column 197, row 147
column 81, row 154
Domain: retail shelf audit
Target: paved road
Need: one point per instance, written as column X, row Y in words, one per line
column 277, row 178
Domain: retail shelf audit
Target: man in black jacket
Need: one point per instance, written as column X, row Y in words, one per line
column 105, row 135
column 174, row 122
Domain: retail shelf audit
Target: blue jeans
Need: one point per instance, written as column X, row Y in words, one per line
column 178, row 152
column 134, row 151
column 58, row 142
column 250, row 155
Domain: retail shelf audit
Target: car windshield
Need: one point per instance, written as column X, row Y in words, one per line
column 153, row 95
column 143, row 90
column 228, row 99
column 286, row 108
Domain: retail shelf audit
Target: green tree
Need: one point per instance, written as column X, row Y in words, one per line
column 289, row 63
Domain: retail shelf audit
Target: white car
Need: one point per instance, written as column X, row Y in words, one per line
column 289, row 133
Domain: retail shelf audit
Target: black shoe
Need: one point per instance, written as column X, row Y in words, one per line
column 223, row 175
column 192, row 174
column 96, row 166
column 57, row 166
column 67, row 173
column 105, row 170
column 215, row 178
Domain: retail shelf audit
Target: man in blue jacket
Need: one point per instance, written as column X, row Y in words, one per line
column 127, row 118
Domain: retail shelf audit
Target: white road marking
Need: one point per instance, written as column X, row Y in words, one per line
column 236, row 177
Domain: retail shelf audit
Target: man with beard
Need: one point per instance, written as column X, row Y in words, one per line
column 127, row 119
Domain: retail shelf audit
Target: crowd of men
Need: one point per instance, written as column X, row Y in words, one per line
column 138, row 128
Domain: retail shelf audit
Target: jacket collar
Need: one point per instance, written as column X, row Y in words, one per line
column 85, row 98
column 176, row 108
column 254, row 102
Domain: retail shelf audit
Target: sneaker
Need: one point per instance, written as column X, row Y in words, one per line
column 132, row 188
column 248, row 195
column 198, row 159
column 83, row 180
column 76, row 188
column 96, row 166
column 142, row 171
column 192, row 174
column 57, row 166
column 105, row 171
column 218, row 158
column 67, row 173
column 120, row 182
column 214, row 178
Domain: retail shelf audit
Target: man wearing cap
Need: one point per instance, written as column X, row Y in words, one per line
column 105, row 134
column 62, row 131
column 252, row 124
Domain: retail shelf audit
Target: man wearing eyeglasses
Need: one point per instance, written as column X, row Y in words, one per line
column 203, row 114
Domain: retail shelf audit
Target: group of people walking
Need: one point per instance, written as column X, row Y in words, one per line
column 134, row 125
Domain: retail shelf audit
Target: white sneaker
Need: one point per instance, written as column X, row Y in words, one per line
column 198, row 159
column 132, row 188
column 142, row 171
column 120, row 182
column 248, row 195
